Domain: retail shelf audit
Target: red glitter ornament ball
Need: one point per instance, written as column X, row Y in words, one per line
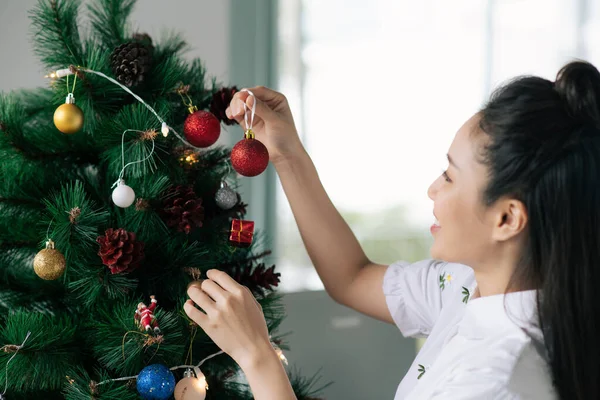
column 249, row 157
column 201, row 128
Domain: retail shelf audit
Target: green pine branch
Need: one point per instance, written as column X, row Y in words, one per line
column 109, row 21
column 93, row 284
column 17, row 218
column 138, row 146
column 51, row 349
column 74, row 220
column 12, row 298
column 80, row 385
column 55, row 33
column 12, row 118
column 37, row 176
column 307, row 388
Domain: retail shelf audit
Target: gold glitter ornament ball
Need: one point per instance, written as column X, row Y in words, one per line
column 49, row 264
column 68, row 118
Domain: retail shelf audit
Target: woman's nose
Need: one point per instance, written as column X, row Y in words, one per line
column 432, row 190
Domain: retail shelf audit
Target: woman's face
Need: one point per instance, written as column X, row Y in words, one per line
column 464, row 227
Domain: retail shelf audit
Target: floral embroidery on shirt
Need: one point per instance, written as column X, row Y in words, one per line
column 445, row 279
column 422, row 371
column 466, row 295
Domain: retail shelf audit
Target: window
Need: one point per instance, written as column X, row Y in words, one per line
column 378, row 89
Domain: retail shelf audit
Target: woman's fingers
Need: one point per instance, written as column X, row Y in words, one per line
column 201, row 299
column 225, row 281
column 236, row 106
column 262, row 109
column 195, row 315
column 262, row 97
column 216, row 292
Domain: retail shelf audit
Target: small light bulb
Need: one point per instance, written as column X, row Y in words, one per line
column 281, row 355
column 164, row 129
column 59, row 74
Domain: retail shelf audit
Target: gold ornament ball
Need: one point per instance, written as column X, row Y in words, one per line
column 190, row 388
column 68, row 118
column 49, row 264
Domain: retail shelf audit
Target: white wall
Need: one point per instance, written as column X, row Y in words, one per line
column 203, row 23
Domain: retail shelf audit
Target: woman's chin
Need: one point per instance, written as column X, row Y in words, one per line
column 436, row 251
column 439, row 252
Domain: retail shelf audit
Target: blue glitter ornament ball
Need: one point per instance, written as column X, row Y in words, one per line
column 156, row 382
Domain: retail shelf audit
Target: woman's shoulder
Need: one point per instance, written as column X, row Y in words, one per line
column 507, row 340
column 446, row 273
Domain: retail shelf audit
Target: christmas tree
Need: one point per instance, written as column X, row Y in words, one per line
column 107, row 213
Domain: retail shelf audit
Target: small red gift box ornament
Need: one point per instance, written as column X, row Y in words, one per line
column 242, row 233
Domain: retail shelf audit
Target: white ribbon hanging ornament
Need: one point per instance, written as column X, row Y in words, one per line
column 249, row 134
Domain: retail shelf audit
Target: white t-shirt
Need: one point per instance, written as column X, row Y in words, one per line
column 476, row 348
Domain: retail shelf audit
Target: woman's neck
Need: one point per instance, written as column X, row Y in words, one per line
column 493, row 276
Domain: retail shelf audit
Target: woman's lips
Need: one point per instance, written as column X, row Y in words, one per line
column 435, row 227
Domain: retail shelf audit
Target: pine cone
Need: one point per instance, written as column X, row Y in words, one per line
column 219, row 103
column 183, row 209
column 258, row 278
column 144, row 39
column 130, row 62
column 120, row 251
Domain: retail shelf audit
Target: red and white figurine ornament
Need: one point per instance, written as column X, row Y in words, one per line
column 144, row 316
column 249, row 157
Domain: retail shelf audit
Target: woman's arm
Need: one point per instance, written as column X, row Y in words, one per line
column 233, row 319
column 348, row 275
column 267, row 377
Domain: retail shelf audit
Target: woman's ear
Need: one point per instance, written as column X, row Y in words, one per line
column 511, row 219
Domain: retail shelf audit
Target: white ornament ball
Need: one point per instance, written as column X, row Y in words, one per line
column 191, row 388
column 123, row 196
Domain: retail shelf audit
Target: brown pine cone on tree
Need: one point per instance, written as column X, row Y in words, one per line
column 120, row 251
column 219, row 103
column 145, row 39
column 183, row 209
column 131, row 61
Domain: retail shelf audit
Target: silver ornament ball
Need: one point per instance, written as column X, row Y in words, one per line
column 225, row 197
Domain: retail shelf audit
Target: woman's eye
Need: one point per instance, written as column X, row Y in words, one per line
column 446, row 177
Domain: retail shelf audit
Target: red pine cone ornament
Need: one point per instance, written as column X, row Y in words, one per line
column 183, row 209
column 120, row 251
column 260, row 277
column 219, row 103
column 249, row 157
column 201, row 128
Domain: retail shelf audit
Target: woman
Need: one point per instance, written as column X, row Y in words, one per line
column 519, row 204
